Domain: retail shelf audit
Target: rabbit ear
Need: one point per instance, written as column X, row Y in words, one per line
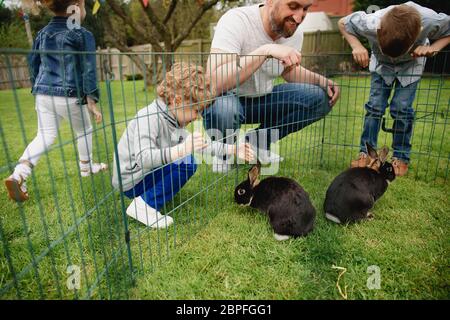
column 371, row 151
column 383, row 154
column 253, row 175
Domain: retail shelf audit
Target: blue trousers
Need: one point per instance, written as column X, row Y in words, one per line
column 401, row 111
column 288, row 108
column 161, row 185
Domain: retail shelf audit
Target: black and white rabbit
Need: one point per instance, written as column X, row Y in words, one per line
column 354, row 192
column 287, row 204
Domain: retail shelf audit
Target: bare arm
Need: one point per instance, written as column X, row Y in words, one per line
column 360, row 54
column 228, row 70
column 301, row 74
column 440, row 44
column 429, row 51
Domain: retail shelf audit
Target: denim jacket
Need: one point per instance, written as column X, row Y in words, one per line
column 64, row 74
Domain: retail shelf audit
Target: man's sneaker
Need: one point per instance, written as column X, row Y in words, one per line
column 149, row 216
column 221, row 166
column 87, row 169
column 400, row 167
column 361, row 162
column 268, row 157
column 17, row 189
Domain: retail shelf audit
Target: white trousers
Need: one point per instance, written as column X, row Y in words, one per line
column 50, row 111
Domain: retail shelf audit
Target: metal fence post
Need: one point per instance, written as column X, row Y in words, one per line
column 116, row 156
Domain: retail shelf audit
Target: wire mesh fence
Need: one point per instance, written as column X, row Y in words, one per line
column 73, row 237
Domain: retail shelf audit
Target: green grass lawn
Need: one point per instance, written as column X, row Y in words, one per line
column 222, row 250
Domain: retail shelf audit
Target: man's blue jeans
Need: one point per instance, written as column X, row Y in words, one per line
column 288, row 108
column 401, row 111
column 161, row 185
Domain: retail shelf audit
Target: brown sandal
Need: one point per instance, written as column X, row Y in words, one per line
column 16, row 189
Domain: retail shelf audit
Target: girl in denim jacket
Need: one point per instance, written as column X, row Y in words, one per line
column 65, row 87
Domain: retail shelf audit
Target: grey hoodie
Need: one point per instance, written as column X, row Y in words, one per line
column 145, row 144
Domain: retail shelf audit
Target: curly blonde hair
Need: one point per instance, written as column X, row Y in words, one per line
column 188, row 81
column 56, row 6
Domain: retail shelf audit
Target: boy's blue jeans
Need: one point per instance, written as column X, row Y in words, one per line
column 161, row 185
column 288, row 108
column 401, row 111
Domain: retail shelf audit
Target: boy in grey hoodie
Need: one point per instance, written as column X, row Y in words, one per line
column 155, row 152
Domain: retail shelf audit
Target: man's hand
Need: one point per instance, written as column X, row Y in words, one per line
column 424, row 51
column 333, row 92
column 244, row 152
column 361, row 56
column 287, row 55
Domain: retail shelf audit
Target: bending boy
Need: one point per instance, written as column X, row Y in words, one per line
column 399, row 38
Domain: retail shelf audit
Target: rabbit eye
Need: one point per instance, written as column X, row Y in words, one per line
column 241, row 192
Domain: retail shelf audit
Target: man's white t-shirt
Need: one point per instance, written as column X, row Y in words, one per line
column 241, row 31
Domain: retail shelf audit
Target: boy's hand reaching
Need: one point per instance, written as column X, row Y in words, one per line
column 195, row 142
column 361, row 56
column 424, row 51
column 92, row 107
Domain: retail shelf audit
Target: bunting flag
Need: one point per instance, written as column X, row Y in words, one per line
column 96, row 7
column 145, row 2
column 23, row 15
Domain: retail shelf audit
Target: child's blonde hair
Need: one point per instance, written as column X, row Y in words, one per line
column 189, row 82
column 56, row 6
column 399, row 29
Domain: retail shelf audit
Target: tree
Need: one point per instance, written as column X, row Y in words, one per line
column 6, row 16
column 13, row 35
column 162, row 23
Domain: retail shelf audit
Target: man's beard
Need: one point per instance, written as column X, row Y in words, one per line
column 279, row 27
